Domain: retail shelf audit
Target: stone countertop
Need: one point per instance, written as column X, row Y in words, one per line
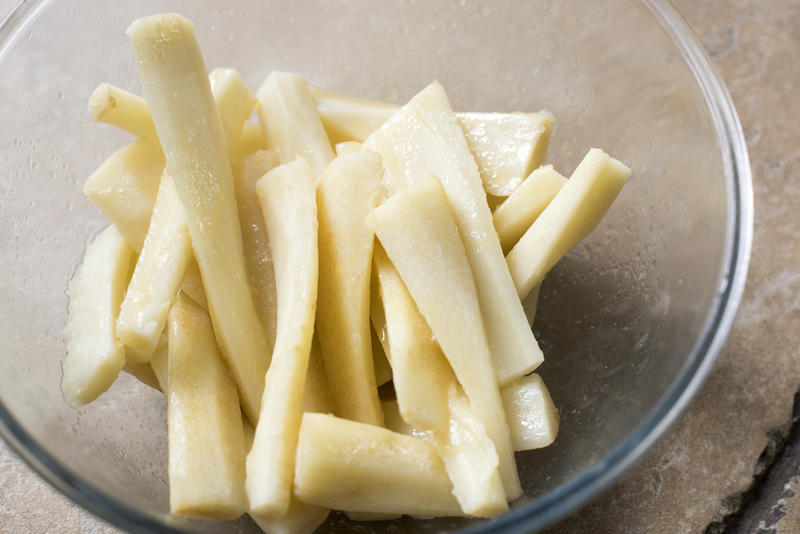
column 732, row 463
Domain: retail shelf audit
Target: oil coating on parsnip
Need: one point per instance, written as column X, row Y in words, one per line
column 175, row 83
column 290, row 121
column 356, row 467
column 94, row 354
column 423, row 139
column 418, row 231
column 348, row 189
column 204, row 421
column 161, row 267
column 568, row 218
column 287, row 197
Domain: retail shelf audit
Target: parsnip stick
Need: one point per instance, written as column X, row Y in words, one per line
column 383, row 369
column 159, row 271
column 358, row 467
column 417, row 228
column 122, row 109
column 95, row 356
column 300, row 518
column 350, row 119
column 234, row 102
column 528, row 201
column 568, row 218
column 532, row 416
column 193, row 285
column 252, row 140
column 347, row 147
column 206, row 439
column 290, row 121
column 424, row 139
column 175, row 83
column 348, row 189
column 316, row 396
column 257, row 253
column 287, row 197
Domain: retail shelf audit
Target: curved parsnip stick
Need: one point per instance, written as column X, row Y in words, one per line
column 417, row 228
column 348, row 189
column 568, row 218
column 94, row 354
column 234, row 101
column 175, row 83
column 123, row 109
column 287, row 197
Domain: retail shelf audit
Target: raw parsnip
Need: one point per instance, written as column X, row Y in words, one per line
column 290, row 121
column 251, row 140
column 193, row 285
column 350, row 119
column 161, row 267
column 358, row 467
column 288, row 201
column 515, row 215
column 316, row 396
column 568, row 218
column 95, row 356
column 383, row 369
column 234, row 102
column 206, row 438
column 347, row 147
column 532, row 415
column 348, row 189
column 423, row 139
column 175, row 83
column 122, row 109
column 418, row 230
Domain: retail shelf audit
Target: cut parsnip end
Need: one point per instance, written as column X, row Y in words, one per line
column 424, row 138
column 347, row 147
column 350, row 119
column 170, row 63
column 348, row 189
column 234, row 102
column 290, row 121
column 287, row 197
column 568, row 218
column 300, row 518
column 161, row 267
column 418, row 231
column 357, row 467
column 125, row 186
column 95, row 356
column 251, row 140
column 125, row 110
column 206, row 438
column 525, row 204
column 532, row 415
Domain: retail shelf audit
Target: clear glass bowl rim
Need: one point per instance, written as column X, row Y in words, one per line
column 579, row 490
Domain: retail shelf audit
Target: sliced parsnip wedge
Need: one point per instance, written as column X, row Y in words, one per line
column 300, row 518
column 316, row 396
column 255, row 242
column 421, row 372
column 290, row 121
column 347, row 147
column 383, row 369
column 193, row 285
column 418, row 230
column 348, row 189
column 204, row 422
column 528, row 201
column 358, row 467
column 506, row 146
column 531, row 303
column 170, row 63
column 160, row 362
column 288, row 200
column 252, row 140
column 350, row 119
column 532, row 415
column 124, row 188
column 234, row 102
column 162, row 264
column 424, row 139
column 568, row 218
column 95, row 356
column 122, row 109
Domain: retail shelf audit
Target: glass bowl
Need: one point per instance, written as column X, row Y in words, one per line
column 630, row 321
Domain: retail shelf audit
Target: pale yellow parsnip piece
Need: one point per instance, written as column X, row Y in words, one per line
column 346, row 118
column 532, row 415
column 531, row 303
column 255, row 241
column 252, row 140
column 193, row 285
column 95, row 356
column 356, row 467
column 160, row 362
column 347, row 147
column 142, row 372
column 175, row 83
column 166, row 254
column 348, row 189
column 154, row 372
column 528, row 201
column 290, row 121
column 204, row 421
column 383, row 369
column 421, row 372
column 123, row 109
column 234, row 102
column 568, row 218
column 418, row 231
column 288, row 201
column 316, row 396
column 423, row 139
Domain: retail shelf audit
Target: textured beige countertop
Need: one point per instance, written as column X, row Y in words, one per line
column 698, row 473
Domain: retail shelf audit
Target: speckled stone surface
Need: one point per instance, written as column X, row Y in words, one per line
column 694, row 478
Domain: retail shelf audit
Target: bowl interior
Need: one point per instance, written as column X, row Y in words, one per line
column 619, row 318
